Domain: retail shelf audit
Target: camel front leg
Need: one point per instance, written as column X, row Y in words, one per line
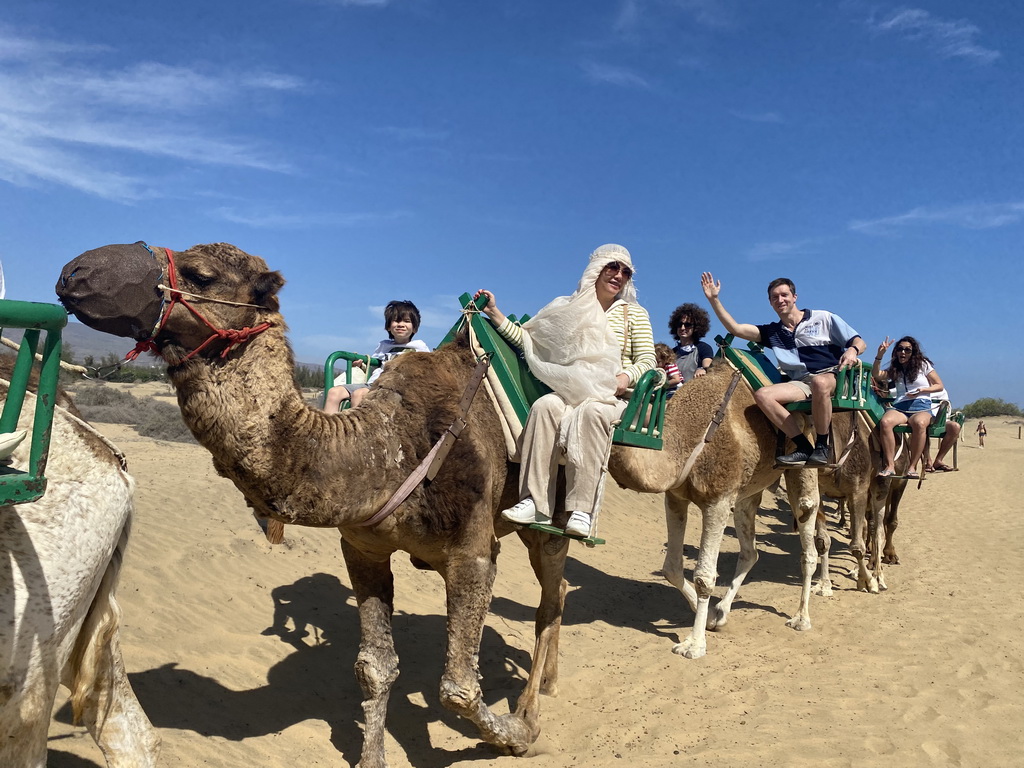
column 547, row 556
column 823, row 544
column 802, row 486
column 715, row 516
column 674, row 567
column 469, row 577
column 743, row 518
column 377, row 663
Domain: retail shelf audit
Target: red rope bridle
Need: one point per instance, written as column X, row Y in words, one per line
column 234, row 337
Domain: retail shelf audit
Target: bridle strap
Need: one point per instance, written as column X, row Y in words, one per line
column 234, row 336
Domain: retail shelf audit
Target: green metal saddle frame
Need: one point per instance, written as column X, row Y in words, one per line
column 642, row 422
column 853, row 384
column 18, row 487
column 853, row 387
column 349, row 357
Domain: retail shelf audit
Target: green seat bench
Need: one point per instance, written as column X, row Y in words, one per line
column 16, row 486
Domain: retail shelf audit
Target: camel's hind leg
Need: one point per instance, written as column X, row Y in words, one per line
column 715, row 516
column 377, row 663
column 469, row 577
column 802, row 486
column 823, row 544
column 743, row 518
column 101, row 695
column 547, row 556
column 674, row 567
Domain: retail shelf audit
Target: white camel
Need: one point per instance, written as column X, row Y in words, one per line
column 59, row 562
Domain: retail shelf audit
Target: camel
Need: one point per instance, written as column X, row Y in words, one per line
column 59, row 618
column 873, row 503
column 298, row 465
column 727, row 477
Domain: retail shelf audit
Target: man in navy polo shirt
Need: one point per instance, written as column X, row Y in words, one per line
column 808, row 344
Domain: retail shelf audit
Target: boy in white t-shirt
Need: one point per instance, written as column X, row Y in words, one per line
column 401, row 321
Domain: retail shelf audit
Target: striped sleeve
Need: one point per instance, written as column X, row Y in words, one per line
column 638, row 350
column 511, row 332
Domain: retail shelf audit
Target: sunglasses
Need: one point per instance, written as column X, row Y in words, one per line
column 686, row 325
column 614, row 266
column 904, row 349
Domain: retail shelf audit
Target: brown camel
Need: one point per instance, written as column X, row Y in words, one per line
column 727, row 477
column 298, row 465
column 873, row 502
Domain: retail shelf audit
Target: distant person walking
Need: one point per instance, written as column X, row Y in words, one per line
column 982, row 431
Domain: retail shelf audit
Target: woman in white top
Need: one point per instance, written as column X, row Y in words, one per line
column 915, row 380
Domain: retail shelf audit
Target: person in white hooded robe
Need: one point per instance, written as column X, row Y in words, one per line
column 590, row 348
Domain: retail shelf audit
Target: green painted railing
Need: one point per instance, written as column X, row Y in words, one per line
column 18, row 487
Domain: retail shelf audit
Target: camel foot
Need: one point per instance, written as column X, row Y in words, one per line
column 717, row 619
column 799, row 623
column 514, row 734
column 891, row 559
column 690, row 649
column 823, row 588
column 881, row 583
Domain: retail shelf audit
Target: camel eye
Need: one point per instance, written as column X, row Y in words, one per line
column 197, row 277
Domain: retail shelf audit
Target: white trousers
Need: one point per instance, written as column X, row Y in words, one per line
column 541, row 452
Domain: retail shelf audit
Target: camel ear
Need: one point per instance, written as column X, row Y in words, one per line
column 265, row 288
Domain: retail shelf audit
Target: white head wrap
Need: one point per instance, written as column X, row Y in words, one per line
column 569, row 345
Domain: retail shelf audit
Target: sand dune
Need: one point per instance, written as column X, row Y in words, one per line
column 242, row 653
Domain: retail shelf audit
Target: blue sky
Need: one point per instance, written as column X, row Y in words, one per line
column 380, row 149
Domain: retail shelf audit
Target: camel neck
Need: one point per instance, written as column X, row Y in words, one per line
column 290, row 460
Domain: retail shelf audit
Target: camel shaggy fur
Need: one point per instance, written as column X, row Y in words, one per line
column 59, row 562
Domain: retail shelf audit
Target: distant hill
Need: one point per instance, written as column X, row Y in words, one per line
column 85, row 341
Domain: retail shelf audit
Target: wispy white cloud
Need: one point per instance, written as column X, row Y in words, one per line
column 972, row 216
column 276, row 220
column 758, row 117
column 620, row 76
column 633, row 15
column 66, row 118
column 779, row 249
column 950, row 39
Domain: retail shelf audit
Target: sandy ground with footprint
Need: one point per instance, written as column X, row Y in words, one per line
column 242, row 653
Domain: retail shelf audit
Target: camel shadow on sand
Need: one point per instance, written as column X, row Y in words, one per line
column 657, row 608
column 316, row 681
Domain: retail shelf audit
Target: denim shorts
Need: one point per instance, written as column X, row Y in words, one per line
column 916, row 405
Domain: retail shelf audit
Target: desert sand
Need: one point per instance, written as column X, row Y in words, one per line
column 241, row 652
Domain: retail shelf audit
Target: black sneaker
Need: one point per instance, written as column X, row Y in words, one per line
column 819, row 457
column 795, row 459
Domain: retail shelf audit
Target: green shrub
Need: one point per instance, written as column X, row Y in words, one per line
column 991, row 406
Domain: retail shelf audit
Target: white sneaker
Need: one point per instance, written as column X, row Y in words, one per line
column 525, row 513
column 579, row 524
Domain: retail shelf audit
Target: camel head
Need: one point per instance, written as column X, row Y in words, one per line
column 203, row 301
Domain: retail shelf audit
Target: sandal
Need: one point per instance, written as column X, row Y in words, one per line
column 912, row 476
column 886, row 473
column 940, row 467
